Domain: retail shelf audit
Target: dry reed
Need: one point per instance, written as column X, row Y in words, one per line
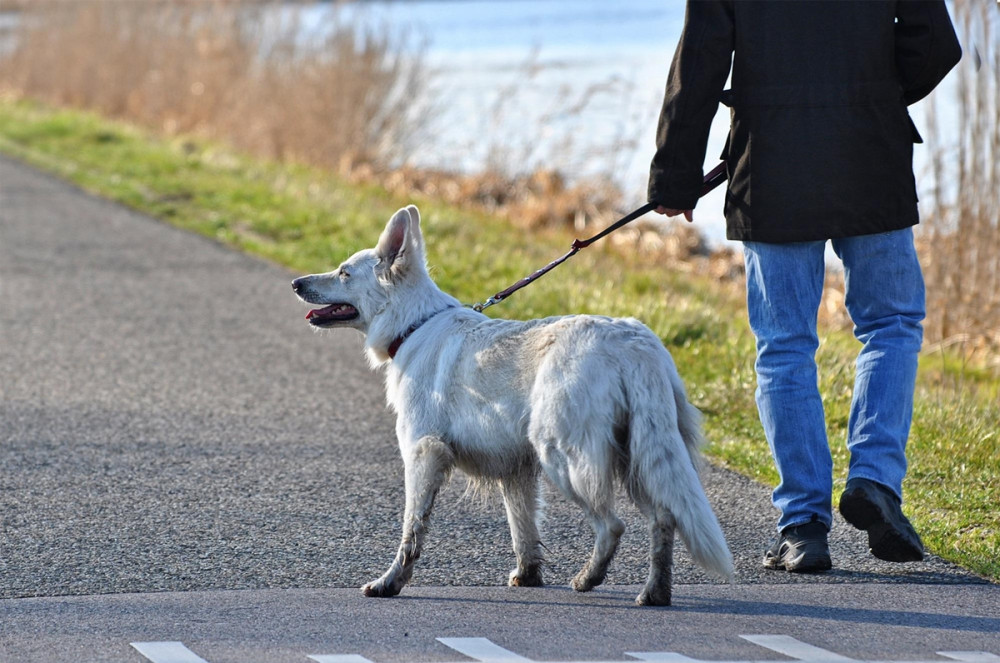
column 355, row 101
column 960, row 238
column 245, row 73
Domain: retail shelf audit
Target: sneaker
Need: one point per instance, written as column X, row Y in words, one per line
column 800, row 549
column 872, row 507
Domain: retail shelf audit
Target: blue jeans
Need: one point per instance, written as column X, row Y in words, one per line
column 885, row 298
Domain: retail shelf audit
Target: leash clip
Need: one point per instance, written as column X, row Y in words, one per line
column 478, row 307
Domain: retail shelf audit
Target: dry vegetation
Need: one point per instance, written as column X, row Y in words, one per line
column 232, row 71
column 355, row 101
column 960, row 243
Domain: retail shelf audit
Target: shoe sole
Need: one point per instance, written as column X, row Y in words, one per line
column 886, row 541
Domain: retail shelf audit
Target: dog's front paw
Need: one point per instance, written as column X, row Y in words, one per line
column 380, row 589
column 527, row 578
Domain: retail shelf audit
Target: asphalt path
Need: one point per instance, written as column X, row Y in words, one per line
column 169, row 423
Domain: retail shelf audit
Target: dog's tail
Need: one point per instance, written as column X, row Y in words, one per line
column 665, row 465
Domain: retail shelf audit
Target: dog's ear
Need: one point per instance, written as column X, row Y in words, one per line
column 415, row 235
column 400, row 242
column 392, row 242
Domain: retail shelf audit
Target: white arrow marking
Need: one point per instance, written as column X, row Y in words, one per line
column 483, row 650
column 789, row 646
column 970, row 656
column 167, row 652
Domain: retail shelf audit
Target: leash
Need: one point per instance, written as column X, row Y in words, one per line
column 714, row 178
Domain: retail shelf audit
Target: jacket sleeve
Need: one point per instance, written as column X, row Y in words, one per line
column 926, row 46
column 694, row 87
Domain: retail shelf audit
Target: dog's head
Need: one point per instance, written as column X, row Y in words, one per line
column 360, row 289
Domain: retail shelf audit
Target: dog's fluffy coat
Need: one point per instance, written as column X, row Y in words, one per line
column 590, row 401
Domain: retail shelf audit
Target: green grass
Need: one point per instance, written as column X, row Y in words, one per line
column 310, row 220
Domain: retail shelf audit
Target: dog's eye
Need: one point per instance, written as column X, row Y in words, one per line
column 344, row 275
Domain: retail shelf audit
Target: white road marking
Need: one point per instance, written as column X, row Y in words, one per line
column 167, row 652
column 482, row 649
column 660, row 657
column 789, row 646
column 486, row 651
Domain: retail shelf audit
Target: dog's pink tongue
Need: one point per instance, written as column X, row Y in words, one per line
column 320, row 312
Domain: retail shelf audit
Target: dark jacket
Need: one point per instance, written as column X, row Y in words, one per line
column 821, row 143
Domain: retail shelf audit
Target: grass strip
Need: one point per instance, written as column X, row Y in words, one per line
column 309, row 220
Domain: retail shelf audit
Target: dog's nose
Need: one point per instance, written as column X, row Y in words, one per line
column 297, row 285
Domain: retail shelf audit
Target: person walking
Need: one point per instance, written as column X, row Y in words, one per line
column 820, row 149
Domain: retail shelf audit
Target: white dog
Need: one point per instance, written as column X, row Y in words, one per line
column 591, row 401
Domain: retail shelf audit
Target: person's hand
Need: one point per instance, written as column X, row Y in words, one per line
column 688, row 214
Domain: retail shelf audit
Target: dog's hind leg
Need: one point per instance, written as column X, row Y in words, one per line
column 520, row 497
column 661, row 553
column 595, row 495
column 427, row 464
column 608, row 529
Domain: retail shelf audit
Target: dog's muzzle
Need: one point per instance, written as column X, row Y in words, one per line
column 329, row 315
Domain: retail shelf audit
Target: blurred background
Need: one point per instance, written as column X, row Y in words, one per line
column 541, row 111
